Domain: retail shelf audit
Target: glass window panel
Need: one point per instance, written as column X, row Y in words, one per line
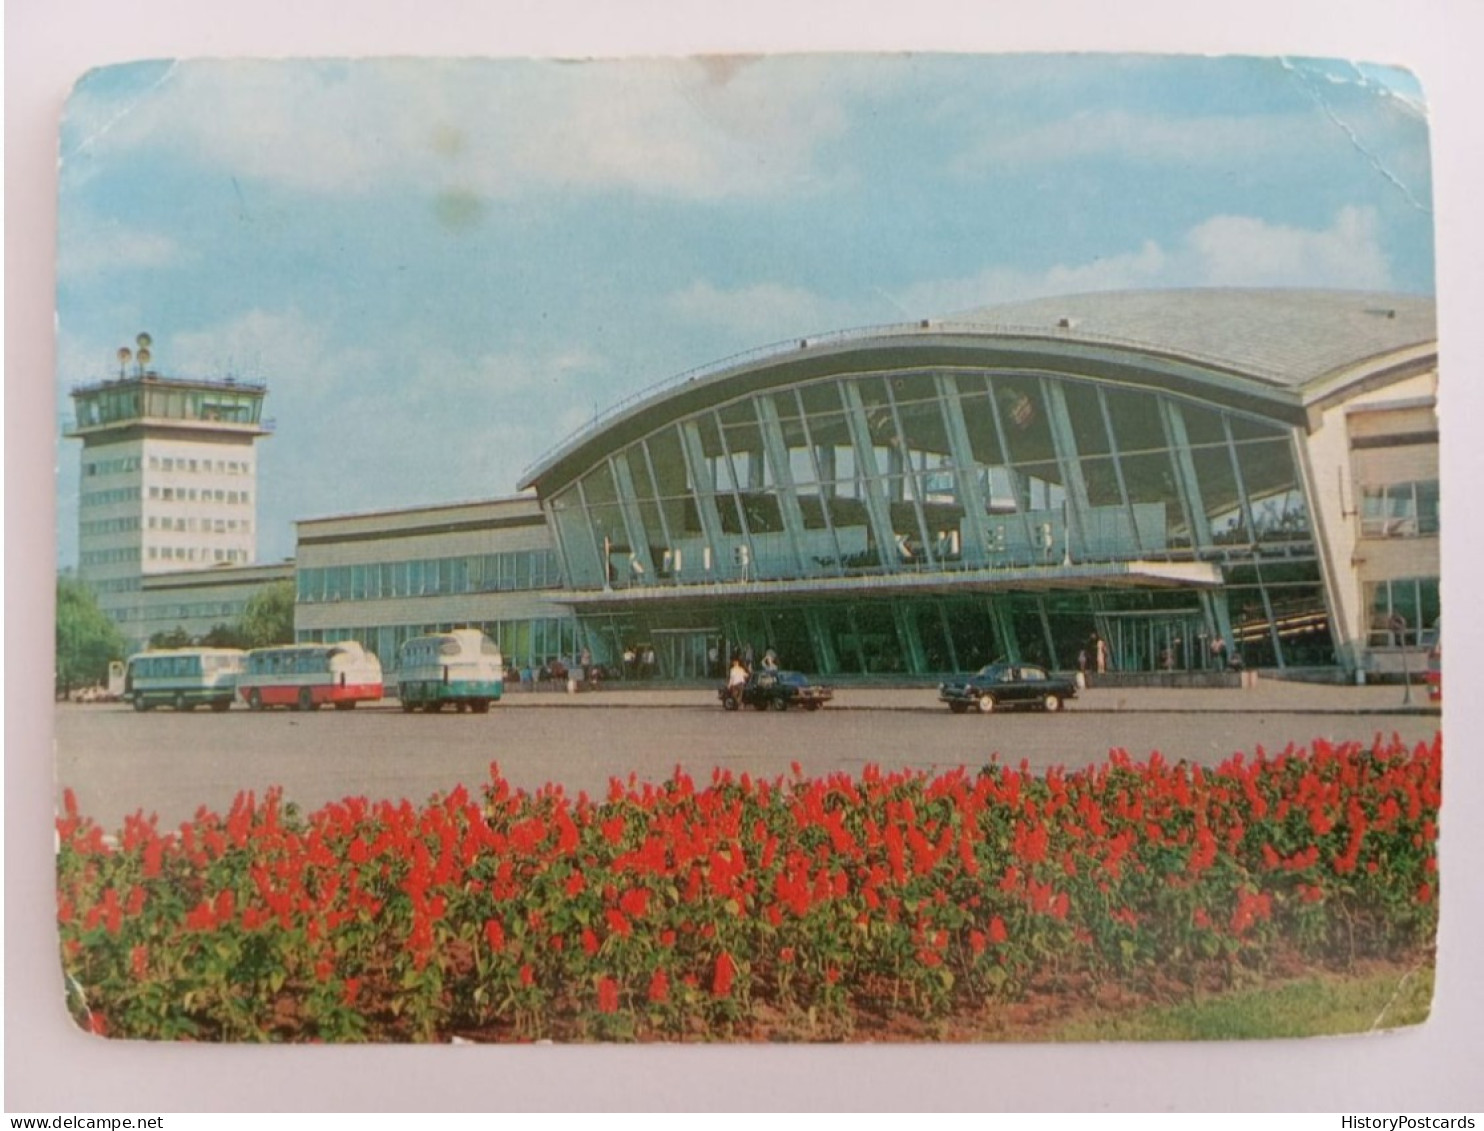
column 1218, row 488
column 1023, row 415
column 1427, row 507
column 1135, row 418
column 1088, row 427
column 820, row 398
column 1202, row 426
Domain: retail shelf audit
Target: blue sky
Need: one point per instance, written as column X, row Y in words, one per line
column 442, row 268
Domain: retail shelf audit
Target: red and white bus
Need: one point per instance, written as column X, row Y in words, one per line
column 304, row 677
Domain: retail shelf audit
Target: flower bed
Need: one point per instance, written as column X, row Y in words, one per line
column 672, row 911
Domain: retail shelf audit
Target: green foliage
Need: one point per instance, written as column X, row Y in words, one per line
column 224, row 636
column 269, row 617
column 177, row 637
column 86, row 639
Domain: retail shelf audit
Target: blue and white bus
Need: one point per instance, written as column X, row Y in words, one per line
column 463, row 667
column 183, row 678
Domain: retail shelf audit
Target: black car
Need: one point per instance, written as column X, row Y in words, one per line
column 777, row 690
column 997, row 686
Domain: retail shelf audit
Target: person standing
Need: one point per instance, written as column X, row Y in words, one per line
column 1102, row 655
column 1218, row 654
column 736, row 681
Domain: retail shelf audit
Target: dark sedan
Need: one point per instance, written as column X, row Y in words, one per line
column 778, row 691
column 999, row 686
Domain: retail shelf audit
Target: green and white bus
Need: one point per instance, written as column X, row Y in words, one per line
column 463, row 668
column 183, row 678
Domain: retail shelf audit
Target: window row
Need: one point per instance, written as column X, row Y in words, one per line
column 203, row 525
column 196, row 554
column 119, row 466
column 117, row 556
column 201, row 495
column 110, row 525
column 223, row 611
column 109, row 497
column 208, row 466
column 476, row 573
column 1399, row 510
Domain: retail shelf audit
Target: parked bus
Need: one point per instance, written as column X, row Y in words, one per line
column 304, row 677
column 184, row 678
column 463, row 667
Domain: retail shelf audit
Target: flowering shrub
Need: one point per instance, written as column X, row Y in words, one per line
column 671, row 911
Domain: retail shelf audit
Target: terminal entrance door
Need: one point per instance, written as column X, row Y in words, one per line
column 1150, row 642
column 689, row 653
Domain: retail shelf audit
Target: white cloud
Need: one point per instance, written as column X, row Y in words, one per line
column 1223, row 251
column 697, row 128
column 1242, row 251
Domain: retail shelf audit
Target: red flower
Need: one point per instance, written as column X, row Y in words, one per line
column 997, row 931
column 494, row 934
column 721, row 983
column 575, row 884
column 659, row 987
column 589, row 941
column 527, row 975
column 634, row 902
column 618, row 924
column 139, row 961
column 352, row 990
column 607, row 995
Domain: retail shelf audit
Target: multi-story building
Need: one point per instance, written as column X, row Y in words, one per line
column 169, row 480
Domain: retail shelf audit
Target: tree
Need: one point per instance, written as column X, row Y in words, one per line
column 86, row 638
column 224, row 636
column 177, row 637
column 269, row 616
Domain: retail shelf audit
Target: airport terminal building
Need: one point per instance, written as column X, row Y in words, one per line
column 1161, row 469
column 1157, row 470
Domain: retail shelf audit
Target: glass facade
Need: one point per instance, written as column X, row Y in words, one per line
column 161, row 398
column 421, row 577
column 527, row 643
column 929, row 471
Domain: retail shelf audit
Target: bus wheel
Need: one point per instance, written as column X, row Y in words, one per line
column 254, row 701
column 139, row 703
column 306, row 699
column 220, row 705
column 408, row 706
column 481, row 706
column 348, row 705
column 180, row 702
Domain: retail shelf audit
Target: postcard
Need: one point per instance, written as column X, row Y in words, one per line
column 787, row 548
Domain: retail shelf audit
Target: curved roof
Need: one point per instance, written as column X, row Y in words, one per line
column 1258, row 350
column 1292, row 337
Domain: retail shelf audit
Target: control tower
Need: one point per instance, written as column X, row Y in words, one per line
column 169, row 476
